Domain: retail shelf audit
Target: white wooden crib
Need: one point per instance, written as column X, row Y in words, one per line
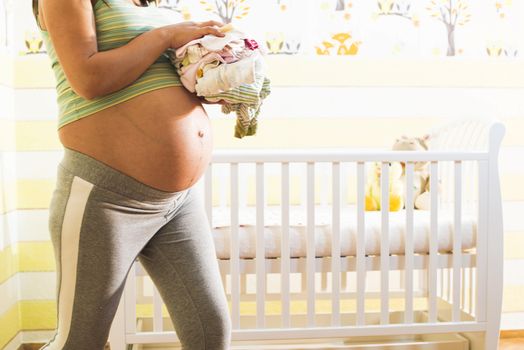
column 302, row 262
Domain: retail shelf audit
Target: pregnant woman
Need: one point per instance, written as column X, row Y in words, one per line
column 135, row 142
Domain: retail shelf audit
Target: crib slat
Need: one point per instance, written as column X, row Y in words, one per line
column 433, row 243
column 384, row 245
column 441, row 282
column 323, row 281
column 335, row 247
column 448, row 281
column 457, row 242
column 324, row 191
column 157, row 311
column 208, row 192
column 482, row 248
column 234, row 248
column 130, row 299
column 422, row 280
column 471, row 288
column 408, row 255
column 222, row 190
column 344, row 280
column 344, row 172
column 361, row 244
column 243, row 284
column 310, row 199
column 463, row 288
column 285, row 256
column 242, row 187
column 260, row 250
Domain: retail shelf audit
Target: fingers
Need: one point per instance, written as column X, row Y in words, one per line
column 210, row 24
column 211, row 30
column 211, row 27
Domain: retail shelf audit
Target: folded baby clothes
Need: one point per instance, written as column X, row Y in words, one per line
column 228, row 68
column 228, row 76
column 191, row 72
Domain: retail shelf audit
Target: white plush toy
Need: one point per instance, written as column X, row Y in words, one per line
column 420, row 174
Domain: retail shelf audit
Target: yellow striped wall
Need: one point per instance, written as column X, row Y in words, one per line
column 10, row 315
column 351, row 104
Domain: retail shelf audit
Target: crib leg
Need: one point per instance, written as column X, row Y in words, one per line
column 117, row 340
column 491, row 340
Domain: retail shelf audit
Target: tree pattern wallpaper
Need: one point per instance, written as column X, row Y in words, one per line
column 368, row 28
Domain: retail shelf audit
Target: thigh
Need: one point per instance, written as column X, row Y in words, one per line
column 181, row 261
column 96, row 236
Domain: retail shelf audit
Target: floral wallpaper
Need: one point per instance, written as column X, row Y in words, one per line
column 369, row 28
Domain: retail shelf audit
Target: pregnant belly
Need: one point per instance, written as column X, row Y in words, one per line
column 161, row 138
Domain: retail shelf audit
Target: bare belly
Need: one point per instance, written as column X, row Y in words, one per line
column 161, row 138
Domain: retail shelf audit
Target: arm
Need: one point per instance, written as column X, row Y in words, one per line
column 71, row 26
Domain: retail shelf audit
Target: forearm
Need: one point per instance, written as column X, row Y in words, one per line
column 111, row 70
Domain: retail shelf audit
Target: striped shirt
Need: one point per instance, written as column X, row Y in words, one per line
column 116, row 25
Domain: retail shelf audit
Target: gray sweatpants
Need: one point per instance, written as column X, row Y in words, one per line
column 100, row 221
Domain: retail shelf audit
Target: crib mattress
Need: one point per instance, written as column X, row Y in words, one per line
column 247, row 231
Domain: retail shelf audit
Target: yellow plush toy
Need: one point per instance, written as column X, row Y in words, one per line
column 396, row 187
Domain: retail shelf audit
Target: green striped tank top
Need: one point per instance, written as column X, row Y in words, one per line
column 116, row 25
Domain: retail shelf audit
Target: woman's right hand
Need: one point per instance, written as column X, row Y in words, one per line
column 181, row 33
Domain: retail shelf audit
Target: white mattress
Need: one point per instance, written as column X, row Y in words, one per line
column 323, row 231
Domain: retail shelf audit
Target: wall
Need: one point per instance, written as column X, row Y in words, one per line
column 9, row 284
column 335, row 101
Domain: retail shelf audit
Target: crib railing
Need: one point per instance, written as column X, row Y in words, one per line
column 336, row 158
column 445, row 291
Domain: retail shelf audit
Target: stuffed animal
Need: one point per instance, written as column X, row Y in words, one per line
column 420, row 173
column 396, row 187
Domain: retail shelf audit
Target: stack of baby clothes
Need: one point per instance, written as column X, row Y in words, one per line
column 228, row 68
